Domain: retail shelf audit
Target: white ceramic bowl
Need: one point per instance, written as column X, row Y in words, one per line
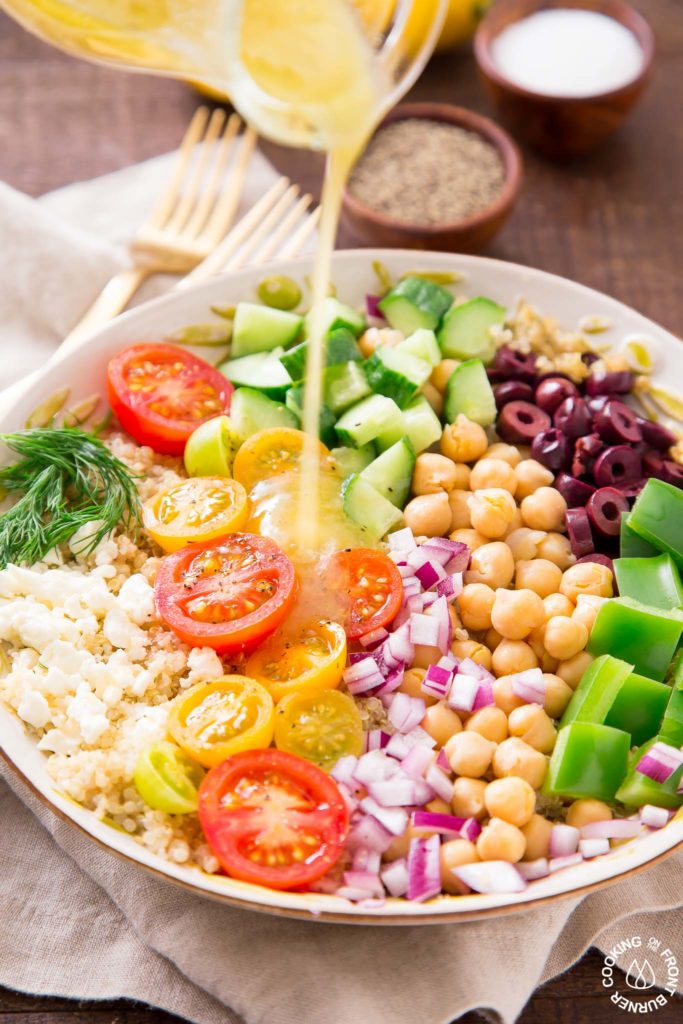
column 83, row 369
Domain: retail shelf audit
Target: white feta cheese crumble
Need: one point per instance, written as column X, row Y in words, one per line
column 34, row 709
column 136, row 599
column 89, row 713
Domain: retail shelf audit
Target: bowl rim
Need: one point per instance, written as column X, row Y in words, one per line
column 619, row 10
column 462, row 117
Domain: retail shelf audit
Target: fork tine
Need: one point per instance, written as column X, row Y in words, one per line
column 298, row 240
column 204, row 151
column 224, row 210
column 194, row 132
column 269, row 221
column 210, row 191
column 289, row 222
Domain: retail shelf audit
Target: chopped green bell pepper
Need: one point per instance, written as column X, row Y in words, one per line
column 599, row 688
column 588, row 761
column 643, row 635
column 653, row 581
column 657, row 516
column 637, row 789
column 672, row 724
column 633, row 546
column 639, row 707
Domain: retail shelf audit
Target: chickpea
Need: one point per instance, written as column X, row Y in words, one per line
column 469, row 754
column 441, row 722
column 556, row 548
column 537, row 834
column 530, row 476
column 464, row 440
column 586, row 578
column 565, row 637
column 531, row 724
column 428, row 515
column 515, row 757
column 507, row 452
column 433, row 473
column 557, row 695
column 468, row 798
column 548, row 664
column 523, row 543
column 571, row 671
column 433, row 396
column 536, row 640
column 491, row 511
column 505, row 697
column 516, row 523
column 442, row 373
column 511, row 799
column 452, row 855
column 438, row 806
column 493, row 473
column 512, row 656
column 584, row 812
column 375, row 336
column 479, row 653
column 489, row 722
column 400, row 845
column 557, row 604
column 462, row 476
column 516, row 612
column 422, row 658
column 472, row 538
column 491, row 564
column 540, row 575
column 587, row 608
column 544, row 509
column 492, row 639
column 459, row 502
column 412, row 684
column 475, row 604
column 501, row 841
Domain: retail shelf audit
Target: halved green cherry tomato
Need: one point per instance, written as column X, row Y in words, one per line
column 370, row 586
column 269, row 453
column 272, row 818
column 211, row 721
column 167, row 780
column 322, row 727
column 196, row 511
column 211, row 448
column 308, row 658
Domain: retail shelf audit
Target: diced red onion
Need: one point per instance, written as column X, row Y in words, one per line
column 439, row 611
column 374, row 637
column 446, row 824
column 376, row 739
column 419, row 556
column 447, row 551
column 419, row 735
column 364, row 880
column 471, row 830
column 529, row 686
column 395, row 877
column 396, row 792
column 392, row 682
column 326, row 885
column 564, row 840
column 417, row 760
column 463, row 692
column 354, row 895
column 367, row 860
column 424, row 630
column 399, row 645
column 413, row 604
column 393, row 819
column 437, row 682
column 363, row 676
column 406, row 571
column 484, row 697
column 428, row 599
column 374, row 766
column 372, row 306
column 593, row 847
column 660, row 762
column 442, row 761
column 473, row 668
column 450, row 587
column 344, row 769
column 368, row 833
column 350, row 800
column 439, row 782
column 406, row 712
column 411, row 587
column 616, row 828
column 558, row 863
column 533, row 869
column 402, row 540
column 654, row 817
column 429, row 574
column 448, row 661
column 491, row 876
column 424, row 869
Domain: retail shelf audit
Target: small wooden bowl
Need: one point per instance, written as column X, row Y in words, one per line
column 560, row 126
column 468, row 235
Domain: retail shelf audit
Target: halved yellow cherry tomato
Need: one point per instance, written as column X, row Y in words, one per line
column 307, row 659
column 322, row 727
column 212, row 721
column 196, row 511
column 269, row 453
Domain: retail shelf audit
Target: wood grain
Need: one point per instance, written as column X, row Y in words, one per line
column 613, row 221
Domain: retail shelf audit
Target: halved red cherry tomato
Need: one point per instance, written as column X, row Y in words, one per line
column 272, row 818
column 160, row 394
column 370, row 587
column 228, row 594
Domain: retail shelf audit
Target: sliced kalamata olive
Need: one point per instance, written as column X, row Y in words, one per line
column 494, row 376
column 586, row 450
column 588, row 358
column 575, row 492
column 573, row 417
column 618, row 382
column 672, row 473
column 512, row 391
column 598, row 402
column 632, row 489
column 617, row 424
column 605, row 509
column 551, row 373
column 552, row 392
column 521, row 422
column 602, row 560
column 579, row 531
column 551, row 448
column 653, row 465
column 656, row 434
column 617, row 466
column 515, row 365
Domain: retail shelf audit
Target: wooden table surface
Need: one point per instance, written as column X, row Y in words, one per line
column 613, row 221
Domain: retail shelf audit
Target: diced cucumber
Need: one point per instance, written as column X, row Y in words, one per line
column 466, row 330
column 340, row 347
column 263, row 371
column 368, row 419
column 345, row 385
column 415, row 303
column 337, row 314
column 398, row 375
column 392, row 472
column 352, row 460
column 469, row 392
column 251, row 411
column 262, row 328
column 326, row 422
column 422, row 343
column 420, row 424
column 365, row 506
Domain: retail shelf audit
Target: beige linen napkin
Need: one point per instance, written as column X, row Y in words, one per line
column 78, row 922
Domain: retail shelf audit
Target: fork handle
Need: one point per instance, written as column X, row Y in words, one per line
column 114, row 297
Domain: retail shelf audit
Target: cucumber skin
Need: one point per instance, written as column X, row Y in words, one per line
column 385, row 381
column 295, row 404
column 486, row 350
column 340, row 347
column 429, row 299
column 338, row 315
column 481, row 409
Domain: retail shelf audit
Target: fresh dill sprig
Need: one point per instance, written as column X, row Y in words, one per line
column 66, row 478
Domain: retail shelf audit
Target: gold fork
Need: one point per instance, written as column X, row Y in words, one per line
column 191, row 216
